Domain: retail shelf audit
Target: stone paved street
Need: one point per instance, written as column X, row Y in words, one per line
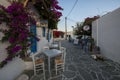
column 81, row 66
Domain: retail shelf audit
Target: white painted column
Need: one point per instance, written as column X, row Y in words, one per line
column 97, row 32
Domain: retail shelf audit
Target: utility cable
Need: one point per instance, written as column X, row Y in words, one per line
column 72, row 8
column 70, row 11
column 72, row 20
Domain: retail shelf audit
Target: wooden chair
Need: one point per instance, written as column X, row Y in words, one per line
column 39, row 66
column 60, row 61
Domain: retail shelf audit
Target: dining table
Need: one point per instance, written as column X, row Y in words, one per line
column 51, row 53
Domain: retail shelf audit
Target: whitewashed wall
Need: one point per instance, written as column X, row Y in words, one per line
column 106, row 32
column 43, row 42
column 12, row 70
column 3, row 46
column 4, row 2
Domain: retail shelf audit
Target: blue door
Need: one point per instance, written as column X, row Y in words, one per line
column 43, row 31
column 33, row 40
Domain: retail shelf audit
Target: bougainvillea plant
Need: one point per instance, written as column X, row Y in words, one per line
column 17, row 32
column 52, row 13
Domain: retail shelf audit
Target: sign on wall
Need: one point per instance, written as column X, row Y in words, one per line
column 86, row 27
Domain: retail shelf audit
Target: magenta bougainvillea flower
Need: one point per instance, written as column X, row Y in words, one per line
column 16, row 49
column 11, row 39
column 55, row 10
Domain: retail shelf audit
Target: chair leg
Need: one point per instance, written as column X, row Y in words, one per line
column 56, row 68
column 63, row 68
column 62, row 77
column 34, row 70
column 44, row 71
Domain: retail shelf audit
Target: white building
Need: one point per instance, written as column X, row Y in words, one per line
column 41, row 30
column 17, row 66
column 106, row 32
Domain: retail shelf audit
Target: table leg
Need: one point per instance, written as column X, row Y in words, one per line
column 49, row 67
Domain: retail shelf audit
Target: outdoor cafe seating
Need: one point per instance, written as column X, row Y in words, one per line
column 54, row 54
column 51, row 54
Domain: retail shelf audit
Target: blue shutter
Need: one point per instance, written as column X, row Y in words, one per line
column 33, row 40
column 49, row 36
column 43, row 31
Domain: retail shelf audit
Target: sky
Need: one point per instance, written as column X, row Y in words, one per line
column 84, row 9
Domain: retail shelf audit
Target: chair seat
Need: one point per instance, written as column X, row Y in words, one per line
column 59, row 61
column 38, row 61
column 59, row 56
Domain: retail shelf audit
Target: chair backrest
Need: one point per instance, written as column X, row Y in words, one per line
column 63, row 50
column 37, row 55
column 33, row 58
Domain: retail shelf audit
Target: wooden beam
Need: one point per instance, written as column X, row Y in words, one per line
column 25, row 3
